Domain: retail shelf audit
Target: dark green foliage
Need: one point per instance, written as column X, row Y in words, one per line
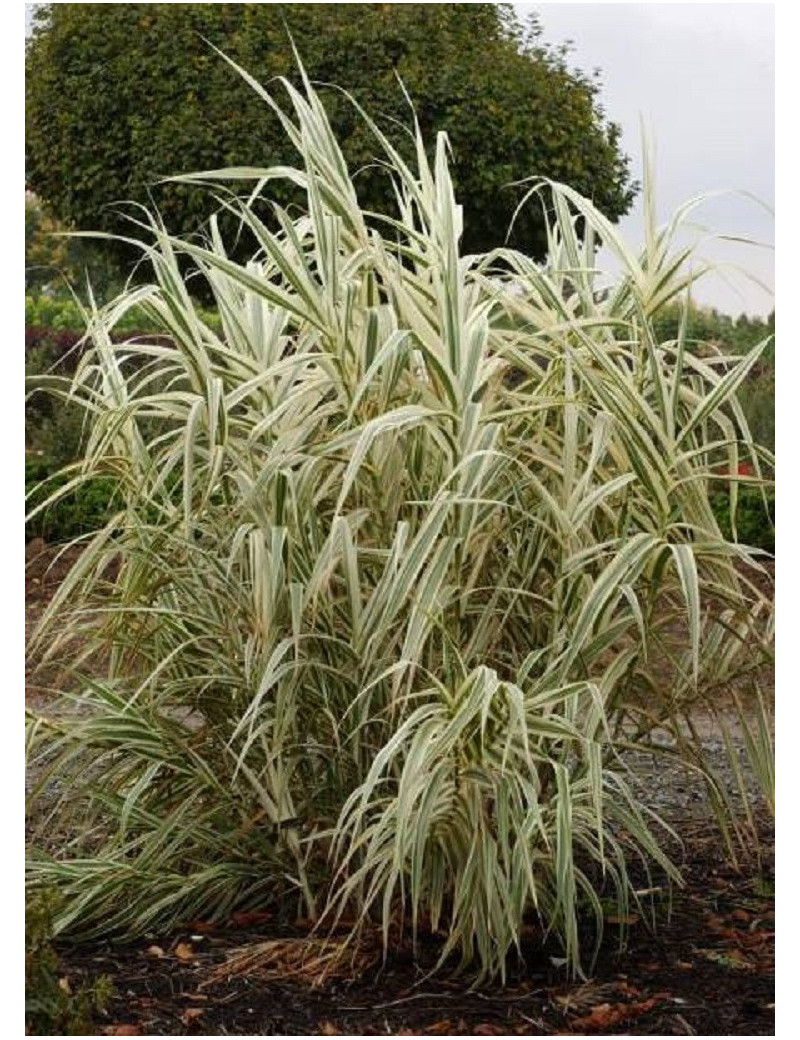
column 53, row 261
column 59, row 313
column 707, row 326
column 81, row 511
column 118, row 96
column 52, row 1007
column 54, row 426
column 758, row 402
column 755, row 517
column 709, row 331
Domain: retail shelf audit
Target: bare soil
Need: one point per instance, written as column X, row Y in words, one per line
column 707, row 971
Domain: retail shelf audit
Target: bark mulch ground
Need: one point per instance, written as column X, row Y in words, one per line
column 708, row 970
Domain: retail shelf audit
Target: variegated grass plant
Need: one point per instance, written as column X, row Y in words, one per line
column 404, row 558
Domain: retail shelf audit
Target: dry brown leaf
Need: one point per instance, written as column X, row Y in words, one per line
column 123, row 1029
column 190, row 1014
column 184, row 952
column 627, row 919
column 202, row 927
column 328, row 1029
column 606, row 1016
column 155, row 952
column 250, row 918
column 441, row 1028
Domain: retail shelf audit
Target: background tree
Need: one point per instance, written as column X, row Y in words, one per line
column 118, row 96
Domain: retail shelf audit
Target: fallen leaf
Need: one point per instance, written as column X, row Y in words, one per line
column 64, row 986
column 249, row 918
column 741, row 915
column 184, row 952
column 623, row 919
column 522, row 990
column 190, row 1014
column 606, row 1016
column 629, row 990
column 684, row 965
column 440, row 1028
column 123, row 1029
column 487, row 1029
column 203, row 927
column 154, row 951
column 599, row 1017
column 727, row 959
column 328, row 1029
column 753, row 939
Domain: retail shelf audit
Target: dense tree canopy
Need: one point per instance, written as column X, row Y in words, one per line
column 119, row 96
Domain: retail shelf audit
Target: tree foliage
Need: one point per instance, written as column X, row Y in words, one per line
column 120, row 96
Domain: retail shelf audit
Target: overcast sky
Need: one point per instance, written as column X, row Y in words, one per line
column 701, row 76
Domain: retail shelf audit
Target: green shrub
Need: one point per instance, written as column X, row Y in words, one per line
column 755, row 517
column 710, row 332
column 60, row 312
column 383, row 616
column 80, row 511
column 758, row 404
column 52, row 1006
column 54, row 261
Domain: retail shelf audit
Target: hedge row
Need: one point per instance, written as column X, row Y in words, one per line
column 83, row 510
column 89, row 506
column 755, row 517
column 63, row 314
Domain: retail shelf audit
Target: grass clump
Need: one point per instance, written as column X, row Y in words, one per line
column 404, row 555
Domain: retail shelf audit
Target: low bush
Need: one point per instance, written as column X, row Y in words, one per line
column 710, row 333
column 52, row 1006
column 82, row 510
column 55, row 425
column 62, row 313
column 754, row 514
column 383, row 616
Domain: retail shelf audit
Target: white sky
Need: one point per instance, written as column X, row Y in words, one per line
column 702, row 78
